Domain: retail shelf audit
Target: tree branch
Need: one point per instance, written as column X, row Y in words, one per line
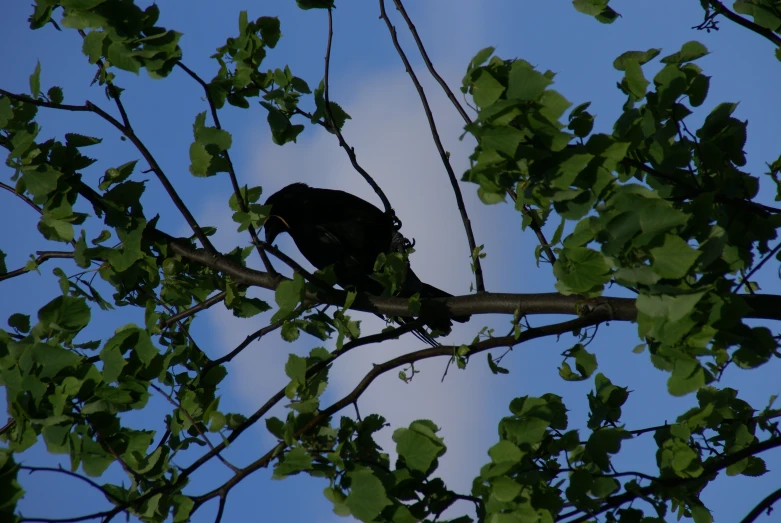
column 89, row 107
column 764, row 306
column 764, row 505
column 709, row 470
column 535, row 224
column 205, row 304
column 598, row 316
column 444, row 155
column 748, row 24
column 231, row 171
column 42, row 257
column 24, row 198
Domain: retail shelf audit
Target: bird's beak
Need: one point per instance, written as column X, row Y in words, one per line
column 274, row 226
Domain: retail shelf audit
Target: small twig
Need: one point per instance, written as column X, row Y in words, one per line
column 332, row 125
column 26, row 200
column 231, row 171
column 205, row 304
column 61, row 470
column 535, row 224
column 479, row 284
column 42, row 257
column 758, row 266
column 429, row 64
column 244, row 344
column 195, row 425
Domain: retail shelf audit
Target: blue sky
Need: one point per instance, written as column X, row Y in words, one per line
column 391, row 138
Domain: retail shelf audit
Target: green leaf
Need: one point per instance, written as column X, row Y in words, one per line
column 315, row 4
column 120, row 55
column 525, row 83
column 113, row 363
column 295, row 368
column 674, row 258
column 635, row 81
column 64, row 313
column 418, row 447
column 496, row 369
column 690, row 51
column 367, row 497
column 92, row 46
column 687, row 376
column 19, row 322
column 55, row 94
column 486, row 89
column 596, row 8
column 505, row 489
column 641, row 57
column 269, row 30
column 35, row 80
column 293, row 462
column 289, row 293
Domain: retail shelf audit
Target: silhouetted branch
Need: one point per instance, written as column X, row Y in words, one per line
column 599, row 315
column 764, row 505
column 42, row 257
column 194, row 424
column 205, row 304
column 128, row 133
column 24, row 198
column 710, row 469
column 720, row 8
column 231, row 171
column 332, row 125
column 444, row 155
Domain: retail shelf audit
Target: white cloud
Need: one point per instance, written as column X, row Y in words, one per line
column 393, row 142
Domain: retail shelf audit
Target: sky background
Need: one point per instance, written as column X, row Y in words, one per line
column 390, row 135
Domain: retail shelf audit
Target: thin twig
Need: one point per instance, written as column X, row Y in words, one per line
column 598, row 316
column 479, row 284
column 195, row 425
column 42, row 257
column 758, row 266
column 61, row 470
column 429, row 64
column 26, row 200
column 535, row 224
column 205, row 304
column 231, row 171
column 332, row 125
column 128, row 133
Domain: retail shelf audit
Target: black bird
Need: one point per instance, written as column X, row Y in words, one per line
column 337, row 228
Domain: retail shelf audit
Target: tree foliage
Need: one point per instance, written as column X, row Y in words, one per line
column 660, row 207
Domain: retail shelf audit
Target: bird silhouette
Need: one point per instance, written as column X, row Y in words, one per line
column 332, row 227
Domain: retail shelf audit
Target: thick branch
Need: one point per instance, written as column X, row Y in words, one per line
column 764, row 306
column 444, row 155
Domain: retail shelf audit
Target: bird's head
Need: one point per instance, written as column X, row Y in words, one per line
column 284, row 204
